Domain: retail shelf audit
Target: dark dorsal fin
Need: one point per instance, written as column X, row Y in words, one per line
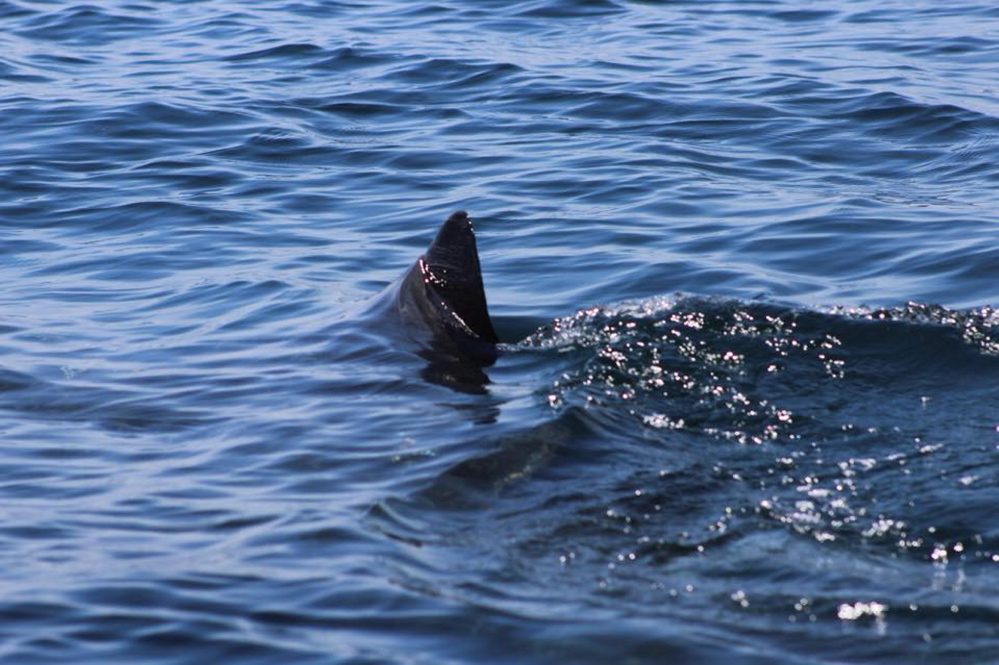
column 451, row 269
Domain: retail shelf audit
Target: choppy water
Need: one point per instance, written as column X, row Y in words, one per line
column 743, row 256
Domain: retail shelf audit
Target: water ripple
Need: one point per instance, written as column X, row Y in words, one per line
column 217, row 446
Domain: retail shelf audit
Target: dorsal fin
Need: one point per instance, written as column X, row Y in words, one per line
column 451, row 268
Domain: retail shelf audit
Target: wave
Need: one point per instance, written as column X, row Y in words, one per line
column 748, row 441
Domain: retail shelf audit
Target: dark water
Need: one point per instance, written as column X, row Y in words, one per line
column 743, row 256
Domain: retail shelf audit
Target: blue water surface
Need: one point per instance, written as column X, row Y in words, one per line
column 742, row 256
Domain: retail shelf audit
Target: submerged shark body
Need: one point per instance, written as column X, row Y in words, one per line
column 442, row 294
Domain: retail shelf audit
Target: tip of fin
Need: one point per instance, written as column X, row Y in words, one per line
column 459, row 221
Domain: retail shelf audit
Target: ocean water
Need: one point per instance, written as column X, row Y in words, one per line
column 742, row 256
